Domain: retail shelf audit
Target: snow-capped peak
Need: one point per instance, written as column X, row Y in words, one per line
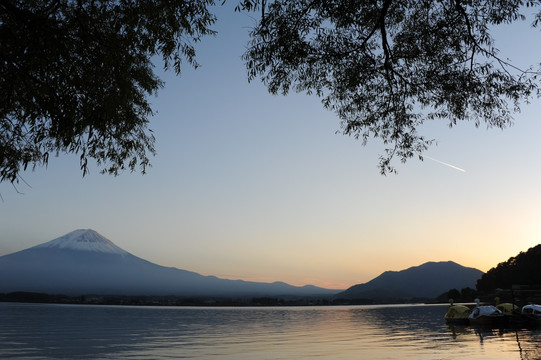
column 84, row 240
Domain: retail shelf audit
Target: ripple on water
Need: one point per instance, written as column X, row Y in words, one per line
column 392, row 332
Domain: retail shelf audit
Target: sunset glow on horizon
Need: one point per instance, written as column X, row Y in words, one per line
column 246, row 185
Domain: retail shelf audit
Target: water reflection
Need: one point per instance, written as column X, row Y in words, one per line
column 524, row 342
column 377, row 332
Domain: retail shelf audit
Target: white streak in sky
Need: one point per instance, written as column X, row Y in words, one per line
column 444, row 163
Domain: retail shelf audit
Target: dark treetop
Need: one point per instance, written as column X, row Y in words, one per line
column 75, row 75
column 522, row 269
column 386, row 66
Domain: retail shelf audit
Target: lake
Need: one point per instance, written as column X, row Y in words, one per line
column 47, row 331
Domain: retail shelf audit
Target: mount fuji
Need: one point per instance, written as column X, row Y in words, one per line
column 84, row 262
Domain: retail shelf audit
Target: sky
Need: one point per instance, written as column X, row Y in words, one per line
column 248, row 185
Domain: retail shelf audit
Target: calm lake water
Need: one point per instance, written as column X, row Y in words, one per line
column 38, row 331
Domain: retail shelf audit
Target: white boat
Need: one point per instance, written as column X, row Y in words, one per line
column 486, row 315
column 532, row 311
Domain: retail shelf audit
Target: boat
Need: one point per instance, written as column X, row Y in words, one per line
column 507, row 309
column 513, row 315
column 486, row 315
column 457, row 314
column 532, row 312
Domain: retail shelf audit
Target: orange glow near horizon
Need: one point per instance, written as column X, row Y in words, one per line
column 250, row 186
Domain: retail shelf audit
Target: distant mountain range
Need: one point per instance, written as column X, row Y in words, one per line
column 426, row 281
column 84, row 262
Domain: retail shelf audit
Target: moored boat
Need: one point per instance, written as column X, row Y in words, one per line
column 532, row 312
column 513, row 315
column 486, row 315
column 507, row 309
column 457, row 314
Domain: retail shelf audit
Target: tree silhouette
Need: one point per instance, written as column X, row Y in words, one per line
column 75, row 76
column 387, row 66
column 523, row 269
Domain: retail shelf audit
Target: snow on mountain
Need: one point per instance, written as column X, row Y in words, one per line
column 84, row 240
column 84, row 262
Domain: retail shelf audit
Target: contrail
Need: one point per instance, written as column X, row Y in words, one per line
column 443, row 163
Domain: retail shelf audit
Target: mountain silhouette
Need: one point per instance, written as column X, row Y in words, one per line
column 84, row 262
column 425, row 281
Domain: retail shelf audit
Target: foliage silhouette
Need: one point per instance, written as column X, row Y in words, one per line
column 75, row 75
column 523, row 269
column 387, row 66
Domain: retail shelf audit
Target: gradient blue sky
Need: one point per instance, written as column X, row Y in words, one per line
column 251, row 186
